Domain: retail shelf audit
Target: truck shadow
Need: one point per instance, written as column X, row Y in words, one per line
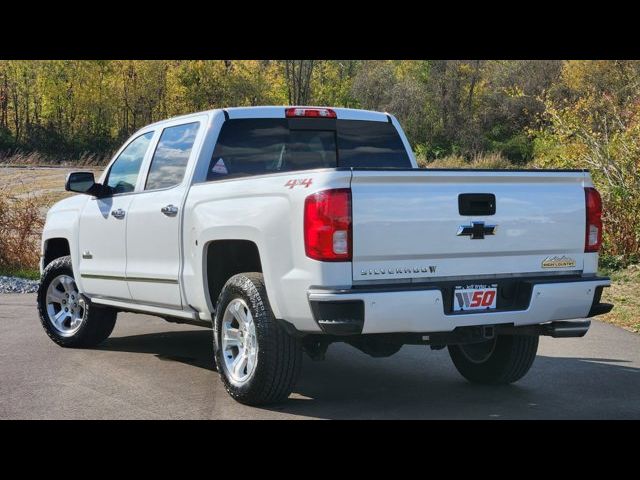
column 417, row 383
column 193, row 347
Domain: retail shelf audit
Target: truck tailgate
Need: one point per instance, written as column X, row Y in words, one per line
column 408, row 225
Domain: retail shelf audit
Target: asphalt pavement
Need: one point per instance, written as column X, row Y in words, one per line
column 151, row 369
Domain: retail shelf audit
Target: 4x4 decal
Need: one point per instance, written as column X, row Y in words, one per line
column 294, row 182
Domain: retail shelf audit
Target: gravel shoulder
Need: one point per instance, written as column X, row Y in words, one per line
column 18, row 285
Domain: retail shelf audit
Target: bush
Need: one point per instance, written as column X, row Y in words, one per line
column 618, row 262
column 421, row 151
column 47, row 141
column 6, row 140
column 518, row 149
column 596, row 133
column 483, row 160
column 20, row 227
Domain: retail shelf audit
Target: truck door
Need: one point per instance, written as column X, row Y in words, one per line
column 103, row 223
column 155, row 219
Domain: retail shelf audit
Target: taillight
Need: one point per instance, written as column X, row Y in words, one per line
column 310, row 112
column 593, row 233
column 327, row 225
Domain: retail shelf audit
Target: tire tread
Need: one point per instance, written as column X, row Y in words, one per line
column 513, row 357
column 97, row 324
column 279, row 354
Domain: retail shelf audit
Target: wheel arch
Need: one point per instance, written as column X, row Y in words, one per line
column 226, row 258
column 60, row 228
column 54, row 247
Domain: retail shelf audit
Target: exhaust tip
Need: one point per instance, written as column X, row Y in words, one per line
column 567, row 329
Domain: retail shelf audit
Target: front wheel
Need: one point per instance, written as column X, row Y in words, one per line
column 66, row 317
column 258, row 361
column 502, row 360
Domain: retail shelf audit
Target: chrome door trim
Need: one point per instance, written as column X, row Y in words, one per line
column 130, row 279
column 152, row 309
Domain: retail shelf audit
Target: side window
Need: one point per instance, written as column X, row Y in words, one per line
column 124, row 172
column 171, row 156
column 370, row 144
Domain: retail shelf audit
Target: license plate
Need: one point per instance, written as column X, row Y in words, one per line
column 474, row 297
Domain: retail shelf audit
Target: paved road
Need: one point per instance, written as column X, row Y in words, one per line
column 153, row 369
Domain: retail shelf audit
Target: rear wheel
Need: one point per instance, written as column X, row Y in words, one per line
column 258, row 361
column 504, row 359
column 66, row 317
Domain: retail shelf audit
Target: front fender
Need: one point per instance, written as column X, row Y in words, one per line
column 62, row 222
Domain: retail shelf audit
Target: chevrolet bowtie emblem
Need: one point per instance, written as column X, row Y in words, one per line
column 477, row 230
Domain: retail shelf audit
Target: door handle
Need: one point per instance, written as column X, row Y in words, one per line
column 119, row 213
column 170, row 210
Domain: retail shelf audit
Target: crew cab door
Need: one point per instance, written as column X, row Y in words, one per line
column 103, row 222
column 155, row 219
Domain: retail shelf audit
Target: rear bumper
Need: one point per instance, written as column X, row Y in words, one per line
column 422, row 308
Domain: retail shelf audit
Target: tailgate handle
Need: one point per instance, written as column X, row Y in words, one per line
column 477, row 204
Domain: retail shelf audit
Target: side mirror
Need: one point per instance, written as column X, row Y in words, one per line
column 84, row 182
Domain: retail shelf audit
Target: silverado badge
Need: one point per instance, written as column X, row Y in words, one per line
column 558, row 262
column 399, row 270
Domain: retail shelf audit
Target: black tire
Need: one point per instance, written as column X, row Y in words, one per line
column 279, row 355
column 505, row 359
column 97, row 322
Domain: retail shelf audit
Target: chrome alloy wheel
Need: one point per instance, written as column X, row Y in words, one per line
column 239, row 343
column 65, row 306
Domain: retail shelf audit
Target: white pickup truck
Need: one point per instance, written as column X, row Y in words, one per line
column 287, row 229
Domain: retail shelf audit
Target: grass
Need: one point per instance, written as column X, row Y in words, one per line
column 485, row 160
column 22, row 272
column 36, row 158
column 623, row 293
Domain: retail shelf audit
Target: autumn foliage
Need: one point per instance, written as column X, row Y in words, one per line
column 456, row 113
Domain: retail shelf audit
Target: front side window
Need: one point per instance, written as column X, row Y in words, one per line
column 124, row 172
column 170, row 159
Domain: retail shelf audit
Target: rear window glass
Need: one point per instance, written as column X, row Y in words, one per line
column 267, row 145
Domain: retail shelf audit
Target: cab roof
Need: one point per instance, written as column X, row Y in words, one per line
column 279, row 112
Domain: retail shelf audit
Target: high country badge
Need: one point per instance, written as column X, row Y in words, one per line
column 558, row 262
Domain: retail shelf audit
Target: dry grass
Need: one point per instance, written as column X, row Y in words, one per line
column 623, row 293
column 20, row 227
column 36, row 159
column 26, row 193
column 487, row 160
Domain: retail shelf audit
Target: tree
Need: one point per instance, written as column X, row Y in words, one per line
column 596, row 125
column 298, row 74
column 373, row 83
column 332, row 81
